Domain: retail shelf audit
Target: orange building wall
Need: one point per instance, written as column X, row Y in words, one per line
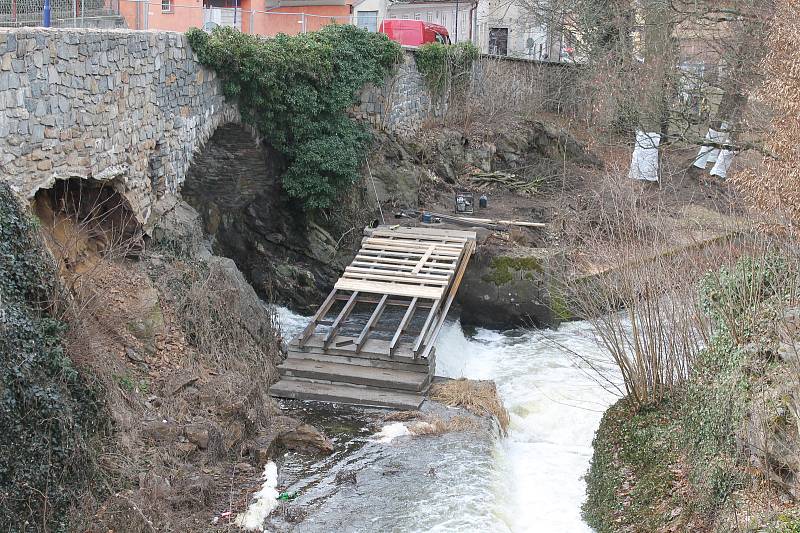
column 189, row 13
column 290, row 20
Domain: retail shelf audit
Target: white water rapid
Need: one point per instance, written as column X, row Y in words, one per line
column 534, row 481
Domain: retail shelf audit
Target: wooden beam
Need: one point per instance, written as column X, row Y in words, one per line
column 424, row 331
column 376, row 315
column 366, row 299
column 343, row 314
column 450, row 297
column 403, row 323
column 423, row 259
column 321, row 312
column 395, row 289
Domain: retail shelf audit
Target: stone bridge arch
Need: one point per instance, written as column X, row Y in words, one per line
column 120, row 106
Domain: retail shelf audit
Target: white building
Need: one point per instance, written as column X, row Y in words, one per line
column 368, row 14
column 497, row 27
column 450, row 14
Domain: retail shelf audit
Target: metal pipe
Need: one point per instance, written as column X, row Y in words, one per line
column 46, row 14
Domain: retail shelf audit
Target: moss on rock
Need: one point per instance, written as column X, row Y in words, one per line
column 503, row 268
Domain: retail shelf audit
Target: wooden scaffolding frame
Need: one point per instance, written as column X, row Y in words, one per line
column 416, row 269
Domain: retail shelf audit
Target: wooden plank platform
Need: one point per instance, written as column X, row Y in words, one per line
column 416, row 273
column 347, row 394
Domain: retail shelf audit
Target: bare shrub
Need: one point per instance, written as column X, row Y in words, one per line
column 223, row 325
column 773, row 188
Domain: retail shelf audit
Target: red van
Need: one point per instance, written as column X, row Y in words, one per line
column 414, row 32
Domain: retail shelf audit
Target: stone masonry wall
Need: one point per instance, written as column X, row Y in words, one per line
column 404, row 102
column 130, row 107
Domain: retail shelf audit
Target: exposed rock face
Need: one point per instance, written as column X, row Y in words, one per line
column 287, row 433
column 509, row 288
column 284, row 253
column 107, row 104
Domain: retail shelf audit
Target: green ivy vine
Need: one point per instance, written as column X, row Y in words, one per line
column 46, row 409
column 296, row 90
column 446, row 67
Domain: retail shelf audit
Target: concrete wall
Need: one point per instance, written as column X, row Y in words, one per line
column 119, row 105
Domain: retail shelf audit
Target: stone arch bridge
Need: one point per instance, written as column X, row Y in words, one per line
column 128, row 107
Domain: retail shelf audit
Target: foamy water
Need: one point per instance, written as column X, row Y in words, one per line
column 533, row 482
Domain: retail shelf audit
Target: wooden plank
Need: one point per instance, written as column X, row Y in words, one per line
column 402, row 326
column 398, row 269
column 402, row 247
column 321, row 312
column 404, row 254
column 355, row 374
column 348, row 307
column 404, row 263
column 450, row 297
column 373, row 300
column 423, row 259
column 413, row 243
column 364, row 360
column 411, row 247
column 395, row 289
column 377, row 348
column 374, row 317
column 427, row 232
column 404, row 277
column 346, row 394
column 424, row 331
column 400, row 280
column 402, row 268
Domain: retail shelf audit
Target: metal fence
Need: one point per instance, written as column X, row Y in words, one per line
column 63, row 13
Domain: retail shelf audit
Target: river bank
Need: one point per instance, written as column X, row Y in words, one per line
column 719, row 452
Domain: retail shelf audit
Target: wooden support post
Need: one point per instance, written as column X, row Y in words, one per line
column 403, row 324
column 320, row 314
column 343, row 314
column 424, row 332
column 453, row 290
column 376, row 315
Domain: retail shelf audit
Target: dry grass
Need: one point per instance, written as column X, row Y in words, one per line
column 479, row 397
column 425, row 424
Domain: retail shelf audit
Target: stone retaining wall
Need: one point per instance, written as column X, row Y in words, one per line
column 403, row 104
column 121, row 105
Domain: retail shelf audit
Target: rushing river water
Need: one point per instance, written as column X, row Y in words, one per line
column 533, row 479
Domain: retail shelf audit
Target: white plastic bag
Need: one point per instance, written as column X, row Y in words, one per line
column 644, row 163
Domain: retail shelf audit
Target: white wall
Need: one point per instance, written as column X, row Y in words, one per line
column 371, row 5
column 502, row 14
column 440, row 13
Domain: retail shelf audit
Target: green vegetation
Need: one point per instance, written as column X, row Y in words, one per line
column 445, row 67
column 691, row 439
column 46, row 410
column 630, row 445
column 295, row 90
column 503, row 268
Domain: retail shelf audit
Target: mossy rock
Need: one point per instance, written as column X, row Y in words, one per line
column 505, row 269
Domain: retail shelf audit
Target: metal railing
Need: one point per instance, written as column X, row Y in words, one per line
column 63, row 13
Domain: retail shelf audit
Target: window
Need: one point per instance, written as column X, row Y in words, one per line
column 429, row 16
column 166, row 6
column 418, row 16
column 368, row 20
column 498, row 41
column 405, row 17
